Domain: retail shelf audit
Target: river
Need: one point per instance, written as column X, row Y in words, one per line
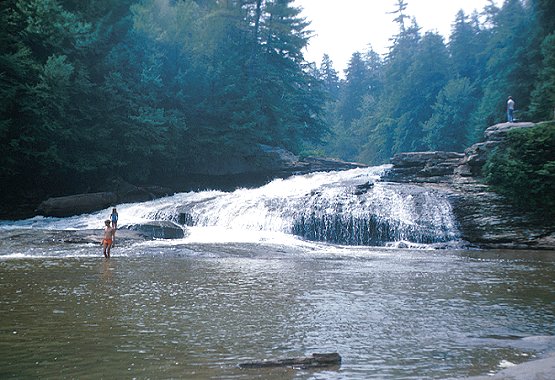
column 197, row 307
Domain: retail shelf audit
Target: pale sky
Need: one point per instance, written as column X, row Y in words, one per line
column 342, row 27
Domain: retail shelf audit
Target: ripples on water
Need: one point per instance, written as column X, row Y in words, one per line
column 196, row 310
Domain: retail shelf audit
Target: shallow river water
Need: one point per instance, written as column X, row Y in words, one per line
column 197, row 310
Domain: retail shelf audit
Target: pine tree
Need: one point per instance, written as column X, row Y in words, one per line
column 447, row 129
column 466, row 46
column 354, row 89
column 543, row 96
column 329, row 77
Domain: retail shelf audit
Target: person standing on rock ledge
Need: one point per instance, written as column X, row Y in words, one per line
column 109, row 233
column 510, row 109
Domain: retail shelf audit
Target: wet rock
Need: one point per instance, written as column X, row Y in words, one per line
column 129, row 193
column 158, row 229
column 270, row 162
column 476, row 155
column 363, row 189
column 487, row 220
column 264, row 164
column 40, row 237
column 474, row 159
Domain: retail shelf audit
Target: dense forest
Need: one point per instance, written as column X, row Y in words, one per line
column 149, row 90
column 426, row 94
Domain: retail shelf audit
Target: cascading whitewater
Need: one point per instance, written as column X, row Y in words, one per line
column 351, row 207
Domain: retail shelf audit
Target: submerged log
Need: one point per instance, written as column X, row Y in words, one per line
column 314, row 361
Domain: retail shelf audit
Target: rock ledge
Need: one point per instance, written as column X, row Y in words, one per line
column 486, row 219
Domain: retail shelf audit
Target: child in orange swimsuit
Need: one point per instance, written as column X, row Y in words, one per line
column 109, row 233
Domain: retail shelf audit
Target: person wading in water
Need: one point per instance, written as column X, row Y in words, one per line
column 109, row 233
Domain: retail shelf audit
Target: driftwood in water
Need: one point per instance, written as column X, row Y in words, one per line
column 314, row 361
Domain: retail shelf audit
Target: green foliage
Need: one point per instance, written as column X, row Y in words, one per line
column 543, row 96
column 428, row 95
column 524, row 169
column 426, row 75
column 511, row 65
column 147, row 90
column 328, row 75
column 448, row 126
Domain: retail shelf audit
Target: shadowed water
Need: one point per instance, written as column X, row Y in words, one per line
column 193, row 310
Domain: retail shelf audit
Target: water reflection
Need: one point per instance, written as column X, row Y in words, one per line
column 107, row 270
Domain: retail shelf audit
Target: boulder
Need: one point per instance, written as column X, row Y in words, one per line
column 319, row 164
column 474, row 158
column 123, row 192
column 76, row 204
column 437, row 167
column 129, row 193
column 487, row 220
column 158, row 229
column 476, row 155
column 263, row 164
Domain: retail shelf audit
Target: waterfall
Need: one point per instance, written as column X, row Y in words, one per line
column 349, row 207
column 352, row 207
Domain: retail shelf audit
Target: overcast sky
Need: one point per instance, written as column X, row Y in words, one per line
column 342, row 27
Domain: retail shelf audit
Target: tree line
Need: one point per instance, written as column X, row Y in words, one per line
column 151, row 90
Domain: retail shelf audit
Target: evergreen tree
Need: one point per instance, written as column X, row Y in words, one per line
column 42, row 135
column 448, row 127
column 364, row 128
column 357, row 101
column 511, row 64
column 467, row 43
column 426, row 76
column 544, row 11
column 148, row 89
column 354, row 89
column 543, row 95
column 329, row 77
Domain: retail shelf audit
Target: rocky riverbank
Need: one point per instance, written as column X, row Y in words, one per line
column 486, row 219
